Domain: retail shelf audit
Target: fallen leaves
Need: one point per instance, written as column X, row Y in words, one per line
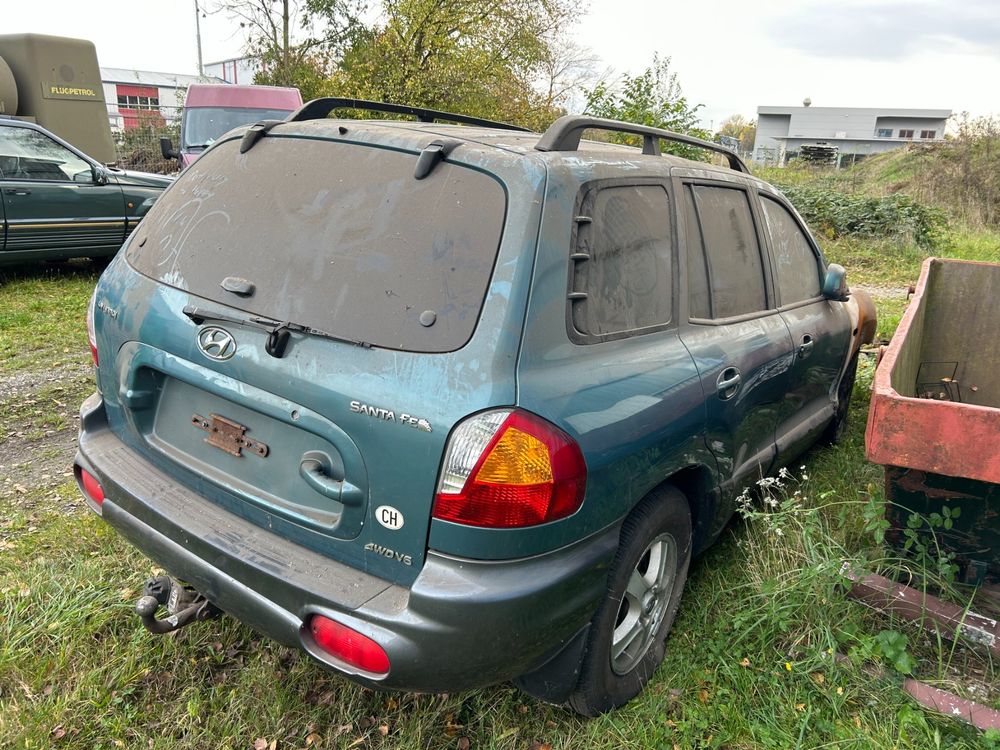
column 262, row 744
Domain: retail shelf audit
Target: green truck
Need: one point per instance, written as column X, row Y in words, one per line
column 55, row 82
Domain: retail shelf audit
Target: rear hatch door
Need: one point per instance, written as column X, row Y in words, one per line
column 336, row 443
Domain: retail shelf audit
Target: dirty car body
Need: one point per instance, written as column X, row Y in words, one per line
column 453, row 393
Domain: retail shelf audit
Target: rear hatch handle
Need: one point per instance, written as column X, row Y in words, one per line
column 316, row 469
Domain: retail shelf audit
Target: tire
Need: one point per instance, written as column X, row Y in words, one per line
column 626, row 642
column 837, row 429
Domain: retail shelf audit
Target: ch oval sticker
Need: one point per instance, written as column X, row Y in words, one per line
column 389, row 517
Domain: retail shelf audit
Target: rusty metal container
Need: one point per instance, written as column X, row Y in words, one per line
column 934, row 419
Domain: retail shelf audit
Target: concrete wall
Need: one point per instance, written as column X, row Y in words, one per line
column 768, row 128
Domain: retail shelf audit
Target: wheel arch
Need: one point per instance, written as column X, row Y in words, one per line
column 697, row 483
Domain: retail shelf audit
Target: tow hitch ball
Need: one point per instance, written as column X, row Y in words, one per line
column 184, row 605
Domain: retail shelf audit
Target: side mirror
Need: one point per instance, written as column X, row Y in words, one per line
column 99, row 176
column 835, row 283
column 167, row 149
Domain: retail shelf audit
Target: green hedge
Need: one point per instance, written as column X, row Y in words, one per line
column 834, row 214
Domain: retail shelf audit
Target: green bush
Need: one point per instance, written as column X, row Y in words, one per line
column 833, row 213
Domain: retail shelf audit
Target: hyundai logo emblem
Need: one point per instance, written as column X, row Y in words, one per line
column 216, row 343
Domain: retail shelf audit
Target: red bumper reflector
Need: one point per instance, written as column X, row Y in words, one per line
column 348, row 645
column 91, row 487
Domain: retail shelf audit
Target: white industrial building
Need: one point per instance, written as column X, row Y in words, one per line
column 856, row 132
column 240, row 70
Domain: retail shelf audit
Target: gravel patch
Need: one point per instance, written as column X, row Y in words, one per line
column 24, row 383
column 883, row 292
column 36, row 457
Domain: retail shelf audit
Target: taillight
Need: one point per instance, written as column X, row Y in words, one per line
column 92, row 489
column 91, row 333
column 348, row 645
column 505, row 469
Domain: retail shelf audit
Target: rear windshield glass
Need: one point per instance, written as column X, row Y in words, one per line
column 336, row 236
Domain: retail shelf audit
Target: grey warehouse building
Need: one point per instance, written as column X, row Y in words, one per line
column 856, row 132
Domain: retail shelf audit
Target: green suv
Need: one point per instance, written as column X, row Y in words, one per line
column 446, row 405
column 59, row 203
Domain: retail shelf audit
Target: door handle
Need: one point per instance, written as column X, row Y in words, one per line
column 728, row 383
column 18, row 191
column 315, row 469
column 806, row 347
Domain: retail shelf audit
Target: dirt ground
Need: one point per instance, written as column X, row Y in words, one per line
column 39, row 418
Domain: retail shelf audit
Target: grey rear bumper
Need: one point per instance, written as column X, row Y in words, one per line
column 462, row 624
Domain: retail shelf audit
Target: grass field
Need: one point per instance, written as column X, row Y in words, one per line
column 750, row 663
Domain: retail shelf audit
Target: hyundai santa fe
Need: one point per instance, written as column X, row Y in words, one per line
column 446, row 405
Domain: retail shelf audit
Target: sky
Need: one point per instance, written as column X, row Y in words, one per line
column 730, row 56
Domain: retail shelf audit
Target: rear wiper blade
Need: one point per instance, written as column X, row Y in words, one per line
column 278, row 331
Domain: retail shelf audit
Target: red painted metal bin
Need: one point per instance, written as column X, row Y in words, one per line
column 934, row 419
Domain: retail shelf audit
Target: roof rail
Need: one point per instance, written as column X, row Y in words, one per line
column 317, row 109
column 564, row 135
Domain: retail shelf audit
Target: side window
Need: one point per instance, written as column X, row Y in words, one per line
column 797, row 264
column 621, row 280
column 732, row 254
column 699, row 301
column 30, row 155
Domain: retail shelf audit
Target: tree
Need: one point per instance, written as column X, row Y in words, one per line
column 654, row 98
column 295, row 41
column 480, row 57
column 743, row 130
column 567, row 70
column 507, row 60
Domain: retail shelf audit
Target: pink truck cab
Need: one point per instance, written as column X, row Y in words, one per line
column 211, row 109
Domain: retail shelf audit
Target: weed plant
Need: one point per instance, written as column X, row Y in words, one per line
column 833, row 213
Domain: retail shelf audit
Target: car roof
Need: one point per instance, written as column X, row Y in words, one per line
column 508, row 142
column 16, row 122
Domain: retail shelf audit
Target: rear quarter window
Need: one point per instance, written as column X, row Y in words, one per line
column 625, row 284
column 333, row 235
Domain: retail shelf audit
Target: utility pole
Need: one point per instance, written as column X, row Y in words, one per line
column 197, row 32
column 284, row 38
